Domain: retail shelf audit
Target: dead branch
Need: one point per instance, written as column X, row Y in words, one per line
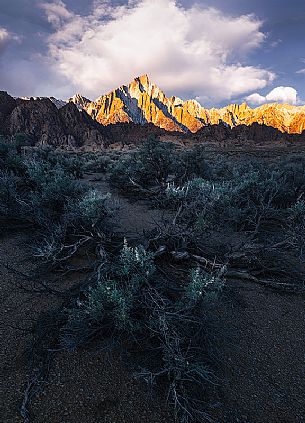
column 184, row 255
column 267, row 283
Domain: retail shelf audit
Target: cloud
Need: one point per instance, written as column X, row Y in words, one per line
column 301, row 71
column 5, row 38
column 256, row 99
column 195, row 51
column 286, row 95
column 57, row 13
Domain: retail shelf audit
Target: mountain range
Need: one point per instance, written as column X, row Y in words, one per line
column 131, row 112
column 143, row 102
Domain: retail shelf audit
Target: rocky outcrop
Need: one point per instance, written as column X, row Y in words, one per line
column 7, row 105
column 297, row 124
column 79, row 128
column 142, row 102
column 45, row 124
column 80, row 101
column 39, row 119
column 257, row 133
column 131, row 133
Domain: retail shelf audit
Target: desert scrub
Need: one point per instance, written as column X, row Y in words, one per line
column 97, row 163
column 91, row 209
column 205, row 285
column 81, row 220
column 71, row 164
column 133, row 304
column 244, row 202
column 52, row 196
column 10, row 161
column 155, row 162
column 296, row 227
column 109, row 303
column 199, row 201
column 9, row 198
column 65, row 212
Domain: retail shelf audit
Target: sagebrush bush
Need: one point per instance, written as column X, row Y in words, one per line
column 71, row 164
column 155, row 162
column 10, row 160
column 53, row 195
column 9, row 197
column 205, row 285
column 109, row 303
column 77, row 219
column 91, row 209
column 51, row 243
column 97, row 163
column 48, row 194
column 244, row 202
column 296, row 226
column 131, row 298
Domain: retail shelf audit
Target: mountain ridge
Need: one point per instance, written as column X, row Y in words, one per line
column 142, row 102
column 72, row 127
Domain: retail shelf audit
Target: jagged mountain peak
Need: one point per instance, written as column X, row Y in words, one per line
column 80, row 101
column 142, row 101
column 144, row 81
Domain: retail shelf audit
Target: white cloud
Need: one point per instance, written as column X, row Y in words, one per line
column 196, row 51
column 279, row 94
column 5, row 38
column 256, row 99
column 57, row 13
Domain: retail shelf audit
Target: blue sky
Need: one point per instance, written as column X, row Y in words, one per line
column 216, row 51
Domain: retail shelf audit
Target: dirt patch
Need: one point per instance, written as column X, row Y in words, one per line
column 88, row 386
column 21, row 303
column 260, row 336
column 132, row 218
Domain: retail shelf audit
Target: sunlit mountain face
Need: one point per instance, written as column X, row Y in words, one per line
column 142, row 101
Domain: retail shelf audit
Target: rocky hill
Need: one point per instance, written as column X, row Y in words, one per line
column 142, row 102
column 47, row 124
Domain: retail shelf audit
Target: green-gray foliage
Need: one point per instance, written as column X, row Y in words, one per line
column 155, row 161
column 41, row 188
column 130, row 299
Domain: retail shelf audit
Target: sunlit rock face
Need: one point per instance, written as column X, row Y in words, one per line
column 142, row 102
column 80, row 101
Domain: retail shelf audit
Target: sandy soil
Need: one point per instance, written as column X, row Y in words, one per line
column 260, row 336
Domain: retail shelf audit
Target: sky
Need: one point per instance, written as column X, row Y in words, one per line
column 218, row 52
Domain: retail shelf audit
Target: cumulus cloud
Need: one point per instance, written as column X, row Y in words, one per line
column 195, row 51
column 286, row 95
